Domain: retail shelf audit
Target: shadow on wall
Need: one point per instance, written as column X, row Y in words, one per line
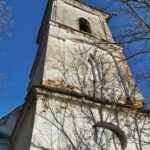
column 42, row 148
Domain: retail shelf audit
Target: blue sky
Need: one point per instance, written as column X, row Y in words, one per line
column 17, row 52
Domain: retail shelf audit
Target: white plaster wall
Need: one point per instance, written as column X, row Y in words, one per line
column 59, row 115
column 65, row 44
column 63, row 54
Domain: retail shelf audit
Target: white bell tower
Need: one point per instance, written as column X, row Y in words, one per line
column 68, row 25
column 81, row 94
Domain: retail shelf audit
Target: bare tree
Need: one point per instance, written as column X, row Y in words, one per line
column 5, row 17
column 2, row 81
column 133, row 30
column 5, row 21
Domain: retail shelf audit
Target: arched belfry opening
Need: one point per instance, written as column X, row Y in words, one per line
column 114, row 129
column 84, row 25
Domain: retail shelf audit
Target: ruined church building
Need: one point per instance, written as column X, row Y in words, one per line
column 81, row 94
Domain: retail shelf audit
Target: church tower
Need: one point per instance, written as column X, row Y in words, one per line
column 72, row 37
column 67, row 25
column 81, row 94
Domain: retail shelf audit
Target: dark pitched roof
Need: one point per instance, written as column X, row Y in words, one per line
column 4, row 136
